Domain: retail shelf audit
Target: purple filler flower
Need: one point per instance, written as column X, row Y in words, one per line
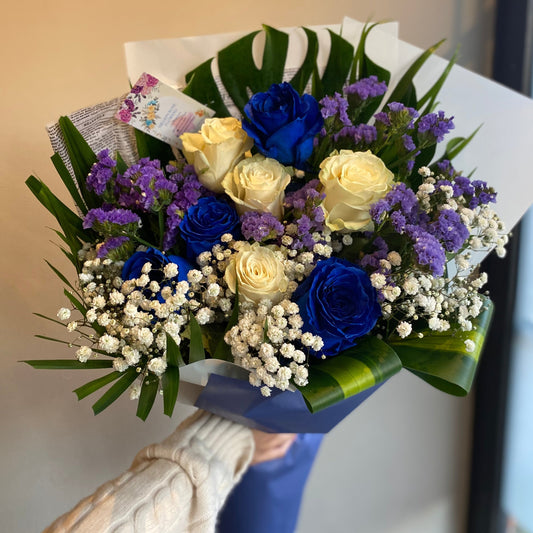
column 335, row 105
column 260, row 226
column 119, row 217
column 111, row 244
column 367, row 88
column 101, row 172
column 435, row 125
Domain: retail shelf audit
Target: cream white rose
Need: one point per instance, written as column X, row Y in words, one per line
column 258, row 273
column 219, row 145
column 257, row 184
column 352, row 181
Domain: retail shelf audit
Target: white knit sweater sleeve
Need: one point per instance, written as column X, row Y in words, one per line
column 178, row 485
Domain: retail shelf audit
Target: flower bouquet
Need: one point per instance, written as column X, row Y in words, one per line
column 292, row 236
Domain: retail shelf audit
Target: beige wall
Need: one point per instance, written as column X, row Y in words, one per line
column 59, row 56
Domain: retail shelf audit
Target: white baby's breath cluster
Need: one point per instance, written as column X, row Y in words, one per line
column 266, row 341
column 410, row 294
column 132, row 317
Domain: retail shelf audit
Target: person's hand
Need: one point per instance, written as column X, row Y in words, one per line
column 269, row 446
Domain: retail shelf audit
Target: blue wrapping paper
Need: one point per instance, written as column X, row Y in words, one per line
column 268, row 497
column 282, row 412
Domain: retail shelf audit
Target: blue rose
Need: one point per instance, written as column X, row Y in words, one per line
column 204, row 224
column 283, row 124
column 133, row 267
column 337, row 302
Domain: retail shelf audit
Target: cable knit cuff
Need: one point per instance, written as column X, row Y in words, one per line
column 206, row 439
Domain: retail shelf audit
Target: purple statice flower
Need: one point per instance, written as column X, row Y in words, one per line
column 362, row 133
column 100, row 216
column 397, row 116
column 428, row 249
column 450, row 230
column 335, row 105
column 298, row 199
column 189, row 191
column 398, row 221
column 405, row 198
column 309, row 216
column 110, row 245
column 445, row 168
column 435, row 126
column 408, row 143
column 144, row 185
column 260, row 226
column 372, row 260
column 379, row 209
column 367, row 88
column 383, row 118
column 463, row 186
column 101, row 172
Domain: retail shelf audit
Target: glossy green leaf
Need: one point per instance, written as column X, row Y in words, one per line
column 148, row 146
column 116, row 390
column 440, row 358
column 338, row 66
column 238, row 71
column 302, row 77
column 68, row 364
column 170, row 383
column 149, row 389
column 96, row 384
column 196, row 348
column 202, row 87
column 354, row 370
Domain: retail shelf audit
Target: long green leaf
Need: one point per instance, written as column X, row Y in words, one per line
column 170, row 383
column 403, row 92
column 430, row 97
column 149, row 390
column 196, row 349
column 440, row 358
column 75, row 302
column 96, row 384
column 68, row 364
column 60, row 276
column 65, row 176
column 115, row 391
column 223, row 351
column 358, row 58
column 50, row 319
column 354, row 370
column 174, row 357
column 81, row 157
column 69, row 221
